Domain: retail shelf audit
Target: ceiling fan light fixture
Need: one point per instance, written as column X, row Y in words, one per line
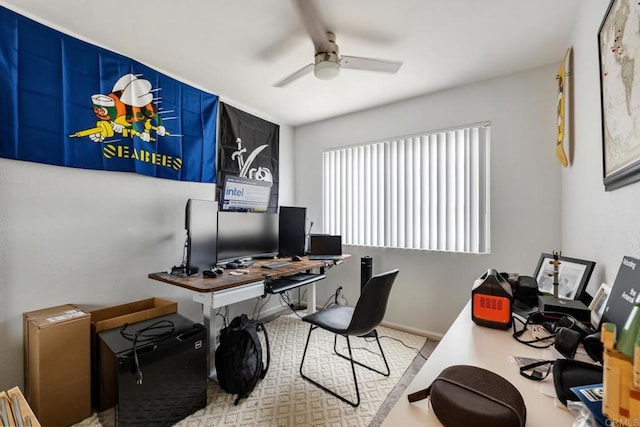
column 326, row 70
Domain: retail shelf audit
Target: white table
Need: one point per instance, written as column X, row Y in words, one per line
column 466, row 343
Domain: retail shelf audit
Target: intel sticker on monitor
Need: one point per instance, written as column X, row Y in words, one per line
column 245, row 194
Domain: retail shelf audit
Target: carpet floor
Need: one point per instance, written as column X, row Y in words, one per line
column 284, row 398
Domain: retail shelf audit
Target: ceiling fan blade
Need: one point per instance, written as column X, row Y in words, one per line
column 314, row 25
column 369, row 64
column 296, row 75
column 282, row 46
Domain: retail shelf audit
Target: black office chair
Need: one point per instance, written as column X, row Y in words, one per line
column 360, row 321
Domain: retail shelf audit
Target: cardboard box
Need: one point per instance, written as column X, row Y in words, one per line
column 133, row 312
column 57, row 366
column 114, row 317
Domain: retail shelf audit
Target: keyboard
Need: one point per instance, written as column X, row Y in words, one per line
column 292, row 282
column 276, row 264
column 301, row 276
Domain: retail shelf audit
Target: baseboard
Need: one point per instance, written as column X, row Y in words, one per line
column 415, row 331
column 270, row 313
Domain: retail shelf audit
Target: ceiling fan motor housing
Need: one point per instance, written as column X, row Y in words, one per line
column 327, row 60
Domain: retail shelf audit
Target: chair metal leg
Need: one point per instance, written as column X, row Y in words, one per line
column 331, row 392
column 384, row 359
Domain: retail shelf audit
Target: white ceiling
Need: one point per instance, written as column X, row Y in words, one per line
column 237, row 49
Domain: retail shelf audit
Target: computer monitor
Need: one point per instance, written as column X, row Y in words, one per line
column 325, row 246
column 201, row 225
column 292, row 230
column 243, row 235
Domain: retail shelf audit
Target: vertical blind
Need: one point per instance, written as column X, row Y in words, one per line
column 426, row 192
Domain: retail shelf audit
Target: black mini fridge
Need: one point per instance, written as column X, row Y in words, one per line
column 153, row 373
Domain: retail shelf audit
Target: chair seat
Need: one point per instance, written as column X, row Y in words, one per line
column 335, row 319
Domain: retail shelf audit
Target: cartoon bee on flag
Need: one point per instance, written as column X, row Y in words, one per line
column 128, row 110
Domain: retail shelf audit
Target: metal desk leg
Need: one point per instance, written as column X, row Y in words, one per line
column 210, row 323
column 311, row 298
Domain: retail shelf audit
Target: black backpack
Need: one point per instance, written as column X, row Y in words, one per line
column 239, row 357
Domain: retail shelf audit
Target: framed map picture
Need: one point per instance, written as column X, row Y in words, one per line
column 619, row 51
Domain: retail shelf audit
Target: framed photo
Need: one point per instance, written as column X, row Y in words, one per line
column 573, row 276
column 619, row 49
column 598, row 304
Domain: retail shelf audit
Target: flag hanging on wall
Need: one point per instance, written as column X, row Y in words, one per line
column 249, row 148
column 66, row 102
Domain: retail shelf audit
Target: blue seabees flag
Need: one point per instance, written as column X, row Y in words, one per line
column 66, row 102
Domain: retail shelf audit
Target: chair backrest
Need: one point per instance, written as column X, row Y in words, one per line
column 372, row 304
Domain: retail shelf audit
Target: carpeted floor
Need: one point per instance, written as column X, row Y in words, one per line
column 284, row 398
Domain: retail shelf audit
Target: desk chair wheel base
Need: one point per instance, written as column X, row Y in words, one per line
column 359, row 321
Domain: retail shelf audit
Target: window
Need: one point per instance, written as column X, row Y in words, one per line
column 427, row 192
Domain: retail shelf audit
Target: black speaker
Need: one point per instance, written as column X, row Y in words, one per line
column 292, row 233
column 366, row 270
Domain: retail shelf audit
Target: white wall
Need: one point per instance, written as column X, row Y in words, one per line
column 432, row 287
column 90, row 238
column 603, row 226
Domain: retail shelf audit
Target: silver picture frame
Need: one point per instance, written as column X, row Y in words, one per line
column 598, row 304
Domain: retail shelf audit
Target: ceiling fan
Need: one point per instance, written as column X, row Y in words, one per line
column 328, row 61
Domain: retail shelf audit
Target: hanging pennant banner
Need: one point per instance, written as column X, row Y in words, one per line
column 66, row 102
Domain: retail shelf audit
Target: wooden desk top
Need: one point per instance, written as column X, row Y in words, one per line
column 255, row 274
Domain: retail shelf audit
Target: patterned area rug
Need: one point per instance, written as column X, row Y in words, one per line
column 284, row 398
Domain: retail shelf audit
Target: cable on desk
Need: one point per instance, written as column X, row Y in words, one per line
column 182, row 268
column 531, row 343
column 146, row 335
column 184, row 251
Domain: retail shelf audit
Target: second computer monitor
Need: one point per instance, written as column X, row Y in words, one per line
column 244, row 235
column 292, row 231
